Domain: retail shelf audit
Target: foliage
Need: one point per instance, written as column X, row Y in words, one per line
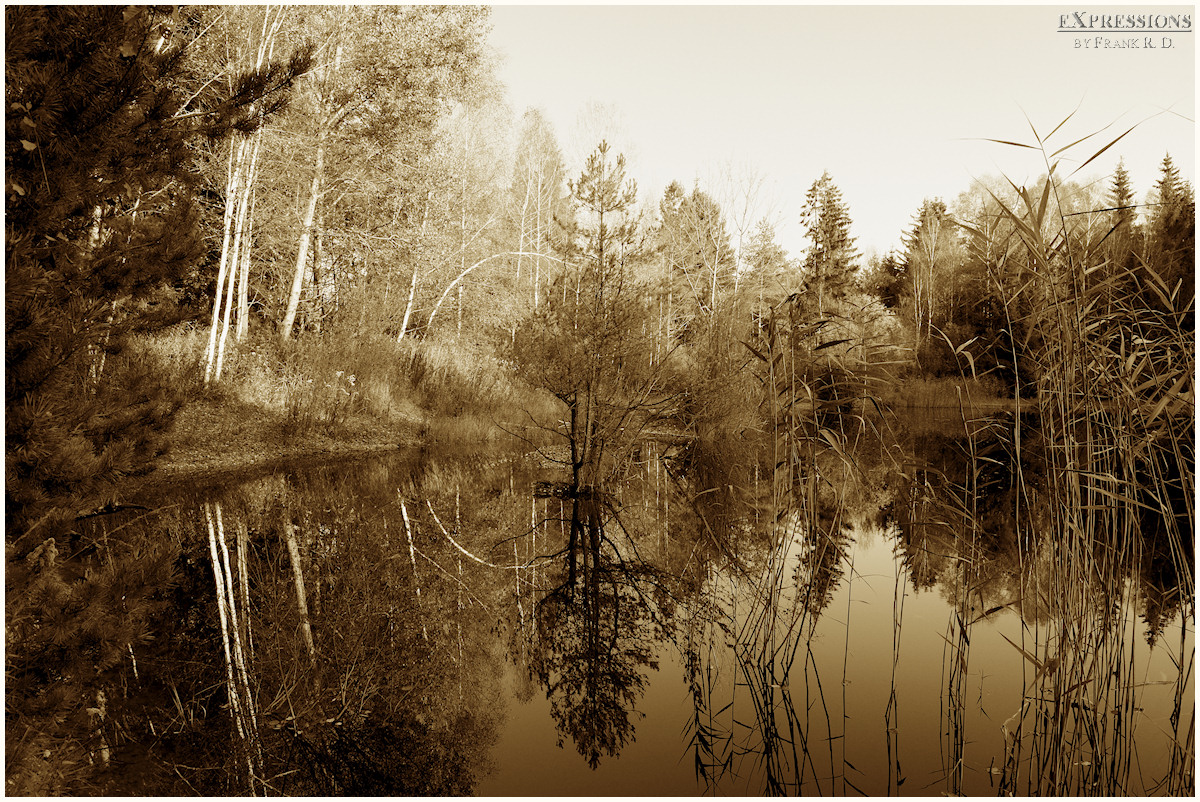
column 100, row 224
column 694, row 244
column 591, row 346
column 830, row 262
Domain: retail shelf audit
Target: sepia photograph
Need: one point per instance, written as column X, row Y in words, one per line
column 600, row 400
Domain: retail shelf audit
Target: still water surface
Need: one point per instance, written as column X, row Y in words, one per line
column 420, row 624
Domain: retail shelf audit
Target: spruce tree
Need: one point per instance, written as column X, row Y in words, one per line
column 1171, row 236
column 101, row 110
column 830, row 262
column 1119, row 246
column 1121, row 197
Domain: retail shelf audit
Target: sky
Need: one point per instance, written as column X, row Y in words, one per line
column 895, row 102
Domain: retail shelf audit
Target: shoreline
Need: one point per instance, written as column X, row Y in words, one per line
column 210, row 440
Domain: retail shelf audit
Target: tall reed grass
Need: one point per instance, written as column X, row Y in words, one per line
column 1114, row 408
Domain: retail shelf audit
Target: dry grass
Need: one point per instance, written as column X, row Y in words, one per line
column 322, row 385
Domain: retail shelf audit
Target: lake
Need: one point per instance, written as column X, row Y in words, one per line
column 901, row 620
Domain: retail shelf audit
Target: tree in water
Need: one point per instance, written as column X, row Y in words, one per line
column 591, row 343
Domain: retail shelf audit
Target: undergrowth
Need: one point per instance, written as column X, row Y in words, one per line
column 320, row 383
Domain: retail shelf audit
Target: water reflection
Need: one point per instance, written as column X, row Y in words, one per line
column 598, row 629
column 901, row 621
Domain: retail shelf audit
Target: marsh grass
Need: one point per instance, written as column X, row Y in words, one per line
column 1094, row 469
column 780, row 721
column 1115, row 408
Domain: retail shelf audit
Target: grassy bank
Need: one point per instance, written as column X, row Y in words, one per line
column 321, row 395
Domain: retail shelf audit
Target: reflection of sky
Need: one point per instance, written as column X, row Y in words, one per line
column 655, row 763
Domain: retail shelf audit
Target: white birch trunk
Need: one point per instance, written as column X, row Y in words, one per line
column 412, row 286
column 230, row 204
column 301, row 597
column 244, row 234
column 537, row 233
column 289, row 317
column 412, row 555
column 242, row 198
column 223, row 615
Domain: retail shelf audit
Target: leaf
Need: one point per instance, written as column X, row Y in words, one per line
column 1006, row 142
column 1171, row 395
column 1106, row 147
column 1041, row 212
column 830, row 344
column 25, row 143
column 754, row 351
column 1036, row 662
column 128, row 50
column 17, row 188
column 1064, row 122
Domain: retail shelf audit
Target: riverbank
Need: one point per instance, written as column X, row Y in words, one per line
column 209, row 437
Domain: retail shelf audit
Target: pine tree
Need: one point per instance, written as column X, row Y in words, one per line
column 1121, row 197
column 101, row 110
column 830, row 262
column 591, row 343
column 1171, row 234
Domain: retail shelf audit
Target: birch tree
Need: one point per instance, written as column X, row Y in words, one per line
column 537, row 197
column 241, row 174
column 386, row 77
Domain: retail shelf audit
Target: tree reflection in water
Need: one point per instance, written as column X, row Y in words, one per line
column 769, row 604
column 597, row 631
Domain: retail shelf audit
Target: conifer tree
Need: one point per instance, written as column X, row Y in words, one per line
column 1171, row 234
column 1119, row 246
column 1121, row 197
column 830, row 262
column 101, row 109
column 591, row 344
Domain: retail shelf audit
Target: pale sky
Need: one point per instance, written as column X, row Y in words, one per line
column 891, row 100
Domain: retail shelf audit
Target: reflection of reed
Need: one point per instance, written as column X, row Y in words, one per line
column 766, row 618
column 1181, row 777
column 891, row 716
column 787, row 742
column 1076, row 731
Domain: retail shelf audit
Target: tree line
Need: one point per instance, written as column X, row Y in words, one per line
column 277, row 177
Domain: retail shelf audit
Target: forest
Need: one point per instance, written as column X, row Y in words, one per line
column 328, row 222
